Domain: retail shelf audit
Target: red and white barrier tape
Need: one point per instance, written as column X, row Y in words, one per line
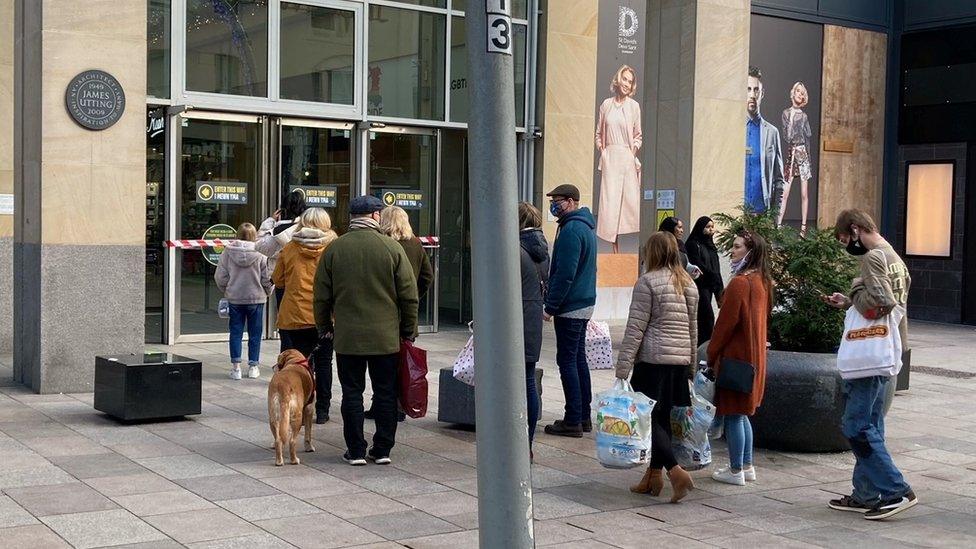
column 196, row 244
column 427, row 241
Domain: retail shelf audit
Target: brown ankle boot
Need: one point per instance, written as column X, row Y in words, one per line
column 651, row 483
column 681, row 483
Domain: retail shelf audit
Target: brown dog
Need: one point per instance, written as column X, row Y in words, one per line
column 291, row 399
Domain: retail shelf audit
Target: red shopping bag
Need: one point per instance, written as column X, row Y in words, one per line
column 412, row 379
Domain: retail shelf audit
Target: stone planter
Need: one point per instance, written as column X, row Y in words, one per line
column 803, row 404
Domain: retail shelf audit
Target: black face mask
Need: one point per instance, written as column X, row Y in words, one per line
column 854, row 247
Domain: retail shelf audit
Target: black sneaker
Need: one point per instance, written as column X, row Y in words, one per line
column 892, row 507
column 354, row 461
column 401, row 417
column 560, row 429
column 848, row 503
column 368, row 414
column 378, row 459
column 321, row 418
column 587, row 426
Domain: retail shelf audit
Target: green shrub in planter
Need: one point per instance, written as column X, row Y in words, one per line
column 803, row 269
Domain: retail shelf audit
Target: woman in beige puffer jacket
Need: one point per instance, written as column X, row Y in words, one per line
column 659, row 346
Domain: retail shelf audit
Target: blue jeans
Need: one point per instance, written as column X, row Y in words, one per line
column 875, row 474
column 253, row 317
column 573, row 371
column 738, row 433
column 532, row 395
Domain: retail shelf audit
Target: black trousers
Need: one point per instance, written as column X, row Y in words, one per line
column 383, row 377
column 706, row 314
column 661, row 453
column 319, row 354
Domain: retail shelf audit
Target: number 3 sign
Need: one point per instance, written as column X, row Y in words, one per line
column 499, row 27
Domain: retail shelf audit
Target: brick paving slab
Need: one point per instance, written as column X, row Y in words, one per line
column 73, row 477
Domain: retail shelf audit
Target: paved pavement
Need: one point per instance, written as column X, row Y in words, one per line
column 71, row 476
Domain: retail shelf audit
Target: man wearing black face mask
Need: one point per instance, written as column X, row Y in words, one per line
column 880, row 490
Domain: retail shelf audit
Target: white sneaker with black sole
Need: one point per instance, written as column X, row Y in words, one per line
column 892, row 507
column 355, row 462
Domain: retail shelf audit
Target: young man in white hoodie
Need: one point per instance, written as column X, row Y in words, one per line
column 243, row 277
column 880, row 490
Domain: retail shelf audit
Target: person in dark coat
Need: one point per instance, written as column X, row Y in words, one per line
column 535, row 276
column 703, row 253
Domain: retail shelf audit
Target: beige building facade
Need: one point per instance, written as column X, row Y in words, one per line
column 342, row 98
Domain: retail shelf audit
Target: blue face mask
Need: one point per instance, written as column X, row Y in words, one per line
column 554, row 209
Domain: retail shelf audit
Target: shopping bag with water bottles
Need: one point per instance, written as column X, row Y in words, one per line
column 623, row 427
column 464, row 363
column 689, row 432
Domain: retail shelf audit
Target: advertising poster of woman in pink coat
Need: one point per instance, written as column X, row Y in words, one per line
column 618, row 141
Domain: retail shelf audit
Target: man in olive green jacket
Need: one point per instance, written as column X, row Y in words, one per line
column 365, row 282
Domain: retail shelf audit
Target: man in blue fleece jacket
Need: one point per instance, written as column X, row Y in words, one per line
column 569, row 303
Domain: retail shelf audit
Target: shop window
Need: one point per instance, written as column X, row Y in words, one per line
column 928, row 213
column 317, row 54
column 405, row 75
column 158, row 44
column 428, row 3
column 227, row 47
column 458, row 86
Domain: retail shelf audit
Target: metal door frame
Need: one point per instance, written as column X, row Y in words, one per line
column 434, row 291
column 274, row 181
column 174, row 180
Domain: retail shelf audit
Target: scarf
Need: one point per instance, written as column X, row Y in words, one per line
column 312, row 238
column 364, row 223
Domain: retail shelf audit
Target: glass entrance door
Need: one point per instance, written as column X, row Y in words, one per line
column 402, row 164
column 454, row 301
column 220, row 186
column 316, row 158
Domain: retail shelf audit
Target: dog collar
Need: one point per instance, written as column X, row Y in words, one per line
column 311, row 371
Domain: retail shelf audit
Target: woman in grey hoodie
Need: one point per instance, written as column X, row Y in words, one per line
column 243, row 277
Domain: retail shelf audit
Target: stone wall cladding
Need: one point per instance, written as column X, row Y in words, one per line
column 91, row 302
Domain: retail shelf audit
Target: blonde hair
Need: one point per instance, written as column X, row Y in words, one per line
column 615, row 81
column 395, row 222
column 315, row 218
column 246, row 231
column 661, row 252
column 806, row 94
column 529, row 216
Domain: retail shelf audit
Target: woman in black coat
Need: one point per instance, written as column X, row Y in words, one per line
column 535, row 274
column 703, row 253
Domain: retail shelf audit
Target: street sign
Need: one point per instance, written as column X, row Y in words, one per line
column 499, row 27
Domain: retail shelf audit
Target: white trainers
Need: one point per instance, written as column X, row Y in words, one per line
column 253, row 371
column 235, row 372
column 749, row 474
column 726, row 475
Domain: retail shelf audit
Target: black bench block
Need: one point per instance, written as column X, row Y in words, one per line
column 455, row 400
column 147, row 386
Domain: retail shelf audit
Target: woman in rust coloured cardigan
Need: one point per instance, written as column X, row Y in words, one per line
column 740, row 334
